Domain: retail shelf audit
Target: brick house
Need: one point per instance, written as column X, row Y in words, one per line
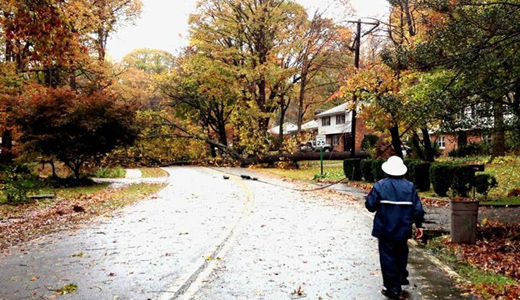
column 474, row 125
column 335, row 125
column 450, row 141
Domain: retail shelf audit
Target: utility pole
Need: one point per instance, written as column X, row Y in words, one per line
column 356, row 47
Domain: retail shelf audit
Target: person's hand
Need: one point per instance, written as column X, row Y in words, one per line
column 419, row 233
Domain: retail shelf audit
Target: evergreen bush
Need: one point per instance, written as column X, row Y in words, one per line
column 352, row 168
column 366, row 170
column 484, row 183
column 463, row 180
column 441, row 178
column 377, row 172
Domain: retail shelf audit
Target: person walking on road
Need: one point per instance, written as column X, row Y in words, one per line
column 397, row 206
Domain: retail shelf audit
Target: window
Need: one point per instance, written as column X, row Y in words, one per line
column 442, row 142
column 486, row 138
column 325, row 121
column 335, row 140
column 340, row 119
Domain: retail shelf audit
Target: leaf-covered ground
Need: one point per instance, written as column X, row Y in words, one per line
column 492, row 265
column 333, row 170
column 22, row 223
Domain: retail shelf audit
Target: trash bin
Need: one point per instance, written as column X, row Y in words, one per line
column 464, row 218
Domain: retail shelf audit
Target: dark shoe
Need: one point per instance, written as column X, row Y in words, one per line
column 390, row 295
column 405, row 282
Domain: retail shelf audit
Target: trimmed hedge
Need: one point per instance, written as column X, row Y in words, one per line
column 377, row 172
column 352, row 168
column 469, row 150
column 463, row 179
column 419, row 174
column 484, row 183
column 459, row 178
column 441, row 177
column 366, row 170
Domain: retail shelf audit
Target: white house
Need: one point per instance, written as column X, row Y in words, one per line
column 336, row 125
column 310, row 126
column 288, row 128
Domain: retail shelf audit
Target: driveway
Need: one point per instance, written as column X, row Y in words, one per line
column 212, row 235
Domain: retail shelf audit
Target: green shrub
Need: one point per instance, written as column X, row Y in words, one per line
column 421, row 176
column 366, row 170
column 484, row 183
column 377, row 172
column 352, row 168
column 418, row 173
column 16, row 182
column 110, row 173
column 463, row 179
column 441, row 178
column 471, row 149
column 410, row 163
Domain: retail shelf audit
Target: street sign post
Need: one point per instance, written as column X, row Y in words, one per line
column 321, row 140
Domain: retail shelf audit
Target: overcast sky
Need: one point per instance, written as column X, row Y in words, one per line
column 164, row 23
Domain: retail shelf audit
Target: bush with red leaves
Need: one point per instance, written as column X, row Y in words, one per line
column 514, row 193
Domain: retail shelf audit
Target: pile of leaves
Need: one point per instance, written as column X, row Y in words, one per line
column 362, row 186
column 497, row 251
column 434, row 202
column 25, row 222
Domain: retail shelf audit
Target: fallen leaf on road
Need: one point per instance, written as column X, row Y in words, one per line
column 298, row 292
column 67, row 289
column 77, row 254
column 32, row 279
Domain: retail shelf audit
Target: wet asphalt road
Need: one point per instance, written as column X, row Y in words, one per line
column 204, row 237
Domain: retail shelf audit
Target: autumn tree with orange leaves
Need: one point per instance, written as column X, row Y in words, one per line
column 51, row 46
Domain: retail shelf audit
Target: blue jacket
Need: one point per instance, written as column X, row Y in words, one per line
column 397, row 206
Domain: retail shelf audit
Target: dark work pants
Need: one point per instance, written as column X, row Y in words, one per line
column 393, row 256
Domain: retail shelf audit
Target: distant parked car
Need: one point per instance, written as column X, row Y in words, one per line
column 311, row 146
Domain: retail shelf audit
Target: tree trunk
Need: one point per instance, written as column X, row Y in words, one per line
column 499, row 144
column 417, row 151
column 462, row 139
column 428, row 149
column 53, row 167
column 396, row 141
column 222, row 133
column 301, row 100
column 7, row 146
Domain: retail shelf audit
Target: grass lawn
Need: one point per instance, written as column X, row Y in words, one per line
column 502, row 201
column 332, row 168
column 153, row 173
column 117, row 172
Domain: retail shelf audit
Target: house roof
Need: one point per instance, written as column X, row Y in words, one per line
column 288, row 127
column 310, row 125
column 334, row 111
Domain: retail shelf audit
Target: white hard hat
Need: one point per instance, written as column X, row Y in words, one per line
column 394, row 166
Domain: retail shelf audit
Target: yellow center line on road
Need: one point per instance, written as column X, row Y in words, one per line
column 186, row 286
